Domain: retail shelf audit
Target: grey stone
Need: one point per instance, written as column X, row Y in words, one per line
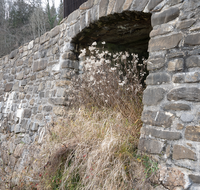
column 47, row 108
column 162, row 29
column 17, row 129
column 178, row 78
column 176, row 107
column 181, row 152
column 150, row 146
column 139, row 5
column 119, row 6
column 55, row 31
column 165, row 16
column 166, row 42
column 192, row 39
column 39, row 117
column 27, row 113
column 161, row 134
column 156, row 63
column 34, row 126
column 152, row 4
column 158, row 78
column 185, row 24
column 44, row 38
column 39, row 65
column 110, row 6
column 13, row 54
column 70, row 64
column 87, row 5
column 193, row 61
column 127, row 5
column 188, row 94
column 19, row 63
column 69, row 55
column 194, row 178
column 192, row 77
column 57, row 101
column 157, row 118
column 8, row 87
column 176, row 65
column 195, row 187
column 103, row 8
column 153, row 96
column 192, row 133
column 20, row 76
column 187, row 117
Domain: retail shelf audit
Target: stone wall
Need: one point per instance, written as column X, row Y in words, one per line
column 35, row 79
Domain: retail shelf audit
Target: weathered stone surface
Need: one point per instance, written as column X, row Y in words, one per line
column 156, row 63
column 185, row 24
column 39, row 65
column 193, row 61
column 187, row 117
column 176, row 65
column 181, row 152
column 188, row 94
column 55, row 31
column 157, row 118
column 27, row 113
column 13, row 54
column 158, row 78
column 153, row 96
column 87, row 5
column 167, row 42
column 34, row 126
column 70, row 64
column 118, row 6
column 162, row 29
column 150, row 146
column 69, row 55
column 178, row 78
column 179, row 126
column 8, row 87
column 57, row 101
column 192, row 39
column 139, row 5
column 39, row 117
column 127, row 4
column 192, row 133
column 194, row 178
column 152, row 4
column 161, row 134
column 110, row 6
column 47, row 108
column 20, row 76
column 176, row 107
column 165, row 16
column 44, row 38
column 103, row 8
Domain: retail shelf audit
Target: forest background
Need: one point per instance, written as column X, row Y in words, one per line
column 22, row 21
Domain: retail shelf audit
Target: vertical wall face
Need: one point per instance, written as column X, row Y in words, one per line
column 171, row 100
column 34, row 80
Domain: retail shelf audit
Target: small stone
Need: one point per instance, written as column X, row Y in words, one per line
column 176, row 107
column 34, row 126
column 63, row 83
column 194, row 178
column 152, row 4
column 44, row 38
column 39, row 116
column 13, row 54
column 18, row 150
column 57, row 101
column 110, row 6
column 39, row 65
column 8, row 87
column 150, row 146
column 153, row 96
column 175, row 65
column 69, row 55
column 20, row 76
column 127, row 4
column 41, row 86
column 165, row 16
column 178, row 78
column 158, row 78
column 86, row 5
column 157, row 63
column 181, row 152
column 161, row 134
column 59, row 111
column 157, row 118
column 70, row 64
column 192, row 133
column 179, row 126
column 166, row 42
column 193, row 61
column 27, row 113
column 32, row 102
column 118, row 6
column 139, row 5
column 187, row 117
column 47, row 108
column 188, row 94
column 54, row 32
column 192, row 77
column 161, row 30
column 192, row 39
column 185, row 24
column 17, row 129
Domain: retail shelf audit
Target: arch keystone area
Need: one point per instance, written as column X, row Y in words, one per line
column 34, row 78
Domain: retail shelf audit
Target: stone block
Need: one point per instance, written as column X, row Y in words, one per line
column 157, row 118
column 181, row 152
column 192, row 133
column 176, row 107
column 13, row 54
column 166, row 42
column 119, row 6
column 69, row 55
column 39, row 65
column 57, row 101
column 192, row 39
column 193, row 61
column 39, row 117
column 70, row 64
column 87, row 5
column 185, row 24
column 150, row 146
column 111, row 5
column 20, row 76
column 179, row 126
column 44, row 38
column 34, row 127
column 161, row 134
column 188, row 94
column 187, row 117
column 17, row 129
column 19, row 62
column 153, row 96
column 55, row 31
column 156, row 63
column 47, row 108
column 139, row 5
column 127, row 5
column 162, row 29
column 194, row 178
column 158, row 78
column 8, row 87
column 165, row 16
column 103, row 8
column 178, row 78
column 27, row 113
column 152, row 4
column 176, row 65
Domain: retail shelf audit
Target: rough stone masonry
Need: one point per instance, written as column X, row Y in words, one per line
column 35, row 77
